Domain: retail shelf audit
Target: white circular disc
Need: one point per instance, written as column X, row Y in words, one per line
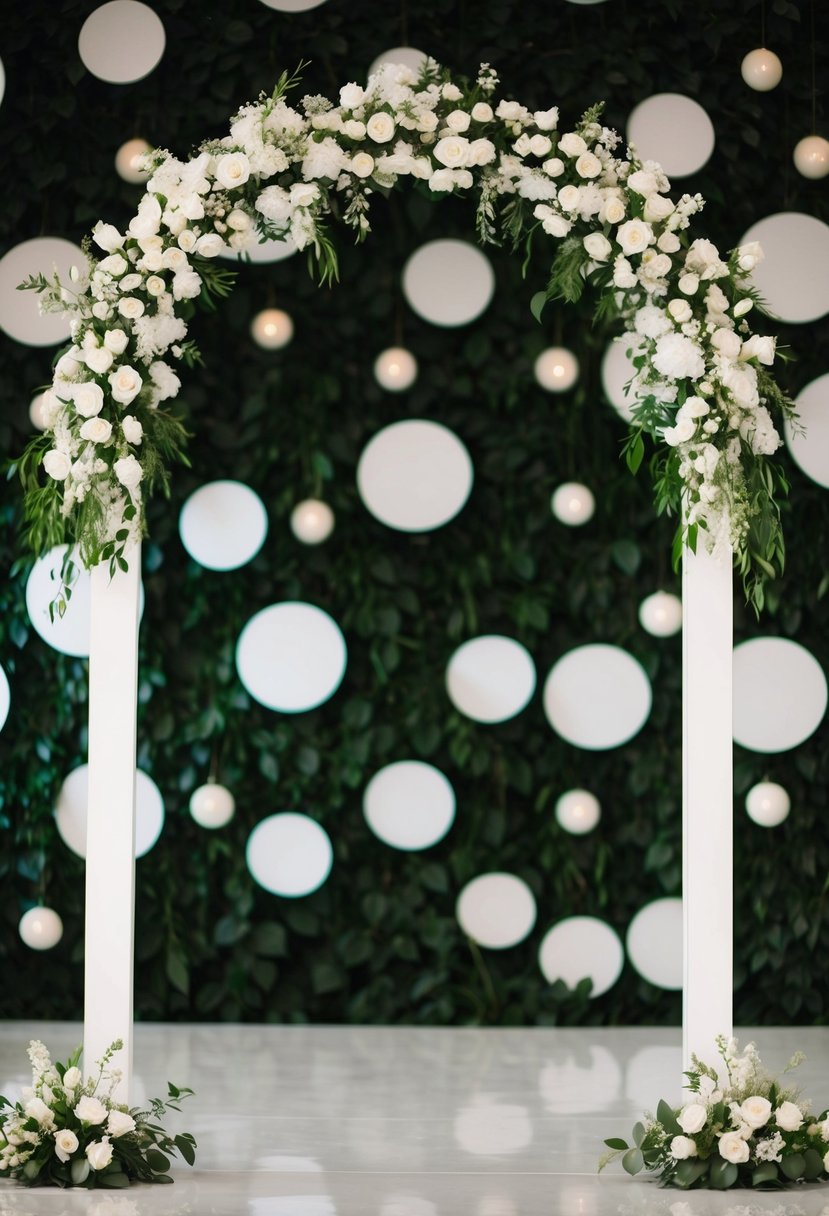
column 121, row 41
column 292, row 6
column 578, row 811
column 289, row 854
column 768, row 804
column 448, row 282
column 661, row 614
column 409, row 805
column 794, row 277
column 262, row 252
column 673, row 130
column 291, row 657
column 5, row 698
column 19, row 315
column 654, row 942
column 212, row 805
column 617, row 372
column 223, row 525
column 810, row 447
column 491, row 678
column 582, row 946
column 414, row 475
column 68, row 633
column 779, row 694
column 408, row 56
column 2, row 80
column 70, row 811
column 492, row 1129
column 597, row 696
column 41, row 928
column 496, row 910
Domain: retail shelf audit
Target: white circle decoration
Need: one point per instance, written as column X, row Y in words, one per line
column 19, row 315
column 414, row 475
column 38, row 411
column 761, row 69
column 272, row 328
column 2, row 80
column 312, row 521
column 779, row 694
column 811, row 156
column 490, row 678
column 223, row 525
column 654, row 943
column 674, row 130
column 573, row 504
column 69, row 633
column 289, row 854
column 292, row 6
column 291, row 657
column 448, row 282
column 128, row 160
column 556, row 369
column 793, row 277
column 395, row 369
column 212, row 805
column 581, row 947
column 617, row 372
column 409, row 805
column 496, row 910
column 71, row 810
column 768, row 804
column 597, row 696
column 809, row 441
column 41, row 928
column 408, row 56
column 578, row 811
column 121, row 41
column 661, row 614
column 5, row 698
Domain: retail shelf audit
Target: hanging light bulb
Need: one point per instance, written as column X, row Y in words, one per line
column 312, row 521
column 578, row 811
column 41, row 928
column 573, row 504
column 556, row 369
column 661, row 614
column 767, row 804
column 395, row 369
column 761, row 69
column 128, row 160
column 811, row 156
column 272, row 328
column 212, row 805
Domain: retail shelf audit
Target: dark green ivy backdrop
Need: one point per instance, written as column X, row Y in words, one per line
column 379, row 941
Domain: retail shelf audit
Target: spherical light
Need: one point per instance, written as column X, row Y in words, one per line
column 212, row 806
column 578, row 811
column 573, row 504
column 41, row 928
column 312, row 521
column 395, row 369
column 811, row 156
column 768, row 804
column 128, row 160
column 661, row 614
column 761, row 70
column 272, row 328
column 556, row 369
column 37, row 411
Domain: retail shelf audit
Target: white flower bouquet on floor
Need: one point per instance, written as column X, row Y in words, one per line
column 740, row 1127
column 69, row 1132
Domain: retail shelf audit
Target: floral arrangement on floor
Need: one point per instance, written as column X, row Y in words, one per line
column 740, row 1127
column 69, row 1132
column 702, row 390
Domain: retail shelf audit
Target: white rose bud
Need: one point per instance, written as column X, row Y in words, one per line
column 210, row 245
column 120, row 1123
column 130, row 282
column 362, row 164
column 65, row 1142
column 481, row 112
column 380, row 127
column 755, row 1111
column 554, row 167
column 354, row 129
column 116, row 341
column 90, row 1110
column 598, row 246
column 57, row 464
column 155, row 285
column 351, row 96
column 742, row 307
column 98, row 360
column 727, row 343
column 682, row 1147
column 680, row 310
column 187, row 240
column 88, row 398
column 129, row 473
column 232, row 170
column 427, row 122
column 107, row 237
column 133, row 430
column 668, row 242
column 174, row 259
column 789, row 1117
column 689, row 284
column 153, row 260
column 99, row 1153
column 238, row 220
column 546, row 120
column 131, row 307
column 657, row 208
column 452, row 151
column 692, row 1118
column 571, row 144
column 613, row 210
column 72, row 1078
column 588, row 165
column 734, row 1148
column 96, row 430
column 759, row 347
column 114, row 265
column 125, row 384
column 67, row 367
column 569, row 197
column 458, row 121
column 540, row 145
column 750, row 256
column 101, row 310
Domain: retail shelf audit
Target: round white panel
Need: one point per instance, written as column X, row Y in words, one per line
column 409, row 805
column 779, row 694
column 70, row 811
column 262, row 252
column 496, row 910
column 291, row 657
column 654, row 943
column 19, row 315
column 582, row 946
column 810, row 447
column 68, row 633
column 41, row 928
column 2, row 80
column 491, row 678
column 414, row 475
column 292, row 6
column 597, row 697
column 617, row 372
column 121, row 41
column 579, row 1080
column 289, row 854
column 768, row 804
column 223, row 525
column 794, row 277
column 489, row 1129
column 408, row 56
column 448, row 282
column 5, row 698
column 673, row 130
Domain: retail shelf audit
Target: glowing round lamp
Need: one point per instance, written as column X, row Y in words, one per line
column 37, row 411
column 811, row 156
column 128, row 160
column 272, row 328
column 395, row 369
column 661, row 614
column 573, row 504
column 578, row 811
column 556, row 369
column 761, row 70
column 212, row 805
column 312, row 521
column 768, row 804
column 41, row 928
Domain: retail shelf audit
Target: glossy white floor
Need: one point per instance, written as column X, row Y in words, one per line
column 374, row 1121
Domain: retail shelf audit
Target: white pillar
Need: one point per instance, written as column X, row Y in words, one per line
column 110, row 847
column 707, row 802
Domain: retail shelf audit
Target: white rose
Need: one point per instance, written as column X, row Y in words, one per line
column 98, row 359
column 554, row 167
column 546, row 120
column 695, row 407
column 90, row 1110
column 65, row 1143
column 148, row 220
column 88, row 398
column 668, row 242
column 510, row 111
column 598, row 246
column 304, row 194
column 682, row 1148
column 451, row 92
column 116, row 341
column 155, row 285
column 657, row 207
column 452, row 151
column 760, row 347
column 380, row 127
column 71, row 1079
column 692, row 1118
column 354, row 129
column 727, row 343
column 552, row 223
column 613, row 209
column 96, row 430
column 99, row 1153
column 119, row 1123
column 680, row 310
column 232, row 170
column 131, row 307
column 130, row 282
column 187, row 240
column 125, row 384
column 37, row 1108
column 540, row 145
column 174, row 259
column 238, row 220
column 734, row 1148
column 209, row 245
column 457, row 120
column 482, row 112
column 101, row 310
column 107, row 237
column 749, row 256
column 522, row 145
column 362, row 164
column 481, row 152
column 742, row 307
column 133, row 430
column 152, row 260
column 643, row 182
column 571, row 144
column 569, row 198
column 129, row 473
column 427, row 122
column 351, row 96
column 688, row 284
column 789, row 1117
column 57, row 464
column 755, row 1111
column 634, row 236
column 114, row 265
column 588, row 165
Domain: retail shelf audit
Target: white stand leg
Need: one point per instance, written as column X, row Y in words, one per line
column 110, row 850
column 707, row 878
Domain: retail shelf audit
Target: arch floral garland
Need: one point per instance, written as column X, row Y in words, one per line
column 702, row 389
